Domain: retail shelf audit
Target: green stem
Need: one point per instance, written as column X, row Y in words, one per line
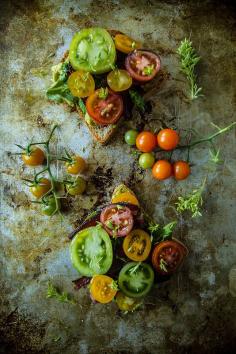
column 39, row 173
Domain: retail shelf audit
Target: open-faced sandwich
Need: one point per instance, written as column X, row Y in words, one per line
column 120, row 255
column 99, row 75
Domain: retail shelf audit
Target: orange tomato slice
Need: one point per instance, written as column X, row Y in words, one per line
column 137, row 245
column 126, row 44
column 103, row 288
column 126, row 197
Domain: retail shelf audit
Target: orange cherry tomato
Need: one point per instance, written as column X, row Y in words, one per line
column 76, row 165
column 103, row 288
column 162, row 169
column 167, row 256
column 167, row 139
column 146, row 141
column 40, row 188
column 126, row 44
column 34, row 157
column 81, row 84
column 181, row 170
column 137, row 245
column 126, row 197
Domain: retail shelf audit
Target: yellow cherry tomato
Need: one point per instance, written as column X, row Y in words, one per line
column 76, row 165
column 40, row 188
column 137, row 245
column 77, row 187
column 81, row 84
column 125, row 197
column 119, row 80
column 34, row 157
column 126, row 44
column 102, row 288
column 126, row 303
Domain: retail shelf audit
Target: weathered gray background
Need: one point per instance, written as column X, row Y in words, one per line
column 195, row 312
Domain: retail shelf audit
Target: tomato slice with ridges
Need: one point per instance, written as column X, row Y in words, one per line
column 137, row 245
column 117, row 220
column 91, row 251
column 142, row 65
column 105, row 110
column 167, row 256
column 125, row 44
column 136, row 279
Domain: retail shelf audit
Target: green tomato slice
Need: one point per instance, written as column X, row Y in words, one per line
column 91, row 251
column 136, row 279
column 92, row 50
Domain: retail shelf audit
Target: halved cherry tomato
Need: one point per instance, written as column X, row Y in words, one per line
column 137, row 245
column 41, row 187
column 146, row 141
column 162, row 169
column 104, row 110
column 119, row 80
column 126, row 44
column 167, row 256
column 142, row 65
column 136, row 279
column 76, row 165
column 126, row 303
column 81, row 84
column 123, row 194
column 181, row 170
column 167, row 139
column 34, row 157
column 103, row 288
column 117, row 220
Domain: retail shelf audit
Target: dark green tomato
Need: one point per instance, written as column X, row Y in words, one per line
column 130, row 137
column 91, row 251
column 136, row 279
column 78, row 186
column 49, row 206
column 146, row 160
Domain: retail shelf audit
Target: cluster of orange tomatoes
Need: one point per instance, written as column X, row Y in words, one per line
column 147, row 142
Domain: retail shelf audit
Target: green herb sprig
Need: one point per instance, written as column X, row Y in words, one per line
column 137, row 100
column 160, row 233
column 189, row 60
column 53, row 292
column 192, row 202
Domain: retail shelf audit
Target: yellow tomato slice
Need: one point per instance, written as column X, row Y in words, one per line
column 81, row 84
column 137, row 245
column 126, row 303
column 102, row 288
column 125, row 197
column 126, row 44
column 119, row 80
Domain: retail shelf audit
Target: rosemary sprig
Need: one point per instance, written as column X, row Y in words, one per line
column 53, row 292
column 192, row 202
column 189, row 60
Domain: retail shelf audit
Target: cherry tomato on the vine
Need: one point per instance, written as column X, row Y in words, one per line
column 76, row 165
column 41, row 187
column 162, row 169
column 34, row 157
column 77, row 187
column 181, row 170
column 49, row 206
column 146, row 141
column 167, row 139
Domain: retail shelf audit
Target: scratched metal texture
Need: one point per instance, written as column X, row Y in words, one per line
column 194, row 312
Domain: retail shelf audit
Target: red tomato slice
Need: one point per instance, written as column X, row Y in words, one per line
column 105, row 110
column 117, row 220
column 142, row 65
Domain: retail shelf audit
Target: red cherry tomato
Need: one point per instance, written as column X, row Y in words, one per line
column 117, row 220
column 142, row 65
column 104, row 109
column 146, row 141
column 162, row 169
column 181, row 170
column 167, row 139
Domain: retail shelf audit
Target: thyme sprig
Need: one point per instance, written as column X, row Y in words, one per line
column 192, row 202
column 53, row 292
column 189, row 60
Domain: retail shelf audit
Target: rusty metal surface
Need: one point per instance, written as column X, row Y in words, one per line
column 195, row 312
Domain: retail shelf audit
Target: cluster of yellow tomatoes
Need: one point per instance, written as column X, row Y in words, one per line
column 146, row 142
